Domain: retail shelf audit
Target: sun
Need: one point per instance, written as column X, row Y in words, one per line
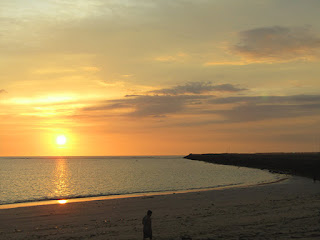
column 61, row 140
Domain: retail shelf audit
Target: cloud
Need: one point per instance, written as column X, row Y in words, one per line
column 164, row 101
column 277, row 44
column 258, row 108
column 196, row 99
column 243, row 109
column 249, row 113
column 268, row 99
column 197, row 88
column 146, row 106
column 3, row 91
column 200, row 110
column 227, row 88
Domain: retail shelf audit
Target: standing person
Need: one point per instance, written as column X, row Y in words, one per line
column 146, row 221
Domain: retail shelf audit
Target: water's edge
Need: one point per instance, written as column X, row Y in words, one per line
column 133, row 195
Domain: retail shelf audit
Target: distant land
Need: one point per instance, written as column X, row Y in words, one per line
column 301, row 164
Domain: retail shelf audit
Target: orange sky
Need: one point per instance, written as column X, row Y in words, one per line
column 140, row 77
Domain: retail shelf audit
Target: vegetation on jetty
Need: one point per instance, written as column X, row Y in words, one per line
column 302, row 164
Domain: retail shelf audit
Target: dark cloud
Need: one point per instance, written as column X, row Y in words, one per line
column 197, row 88
column 268, row 99
column 3, row 91
column 277, row 44
column 145, row 105
column 164, row 101
column 244, row 108
column 258, row 108
column 248, row 113
column 108, row 106
column 227, row 88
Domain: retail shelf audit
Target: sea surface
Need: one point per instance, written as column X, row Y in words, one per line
column 33, row 179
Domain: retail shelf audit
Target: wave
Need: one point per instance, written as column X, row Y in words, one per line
column 105, row 195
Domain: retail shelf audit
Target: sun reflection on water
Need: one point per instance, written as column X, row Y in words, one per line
column 61, row 178
column 62, row 201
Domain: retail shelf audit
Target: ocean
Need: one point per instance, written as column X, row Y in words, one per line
column 36, row 179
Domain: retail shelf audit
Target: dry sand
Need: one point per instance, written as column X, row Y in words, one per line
column 290, row 209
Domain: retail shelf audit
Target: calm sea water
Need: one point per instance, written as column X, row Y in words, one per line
column 46, row 178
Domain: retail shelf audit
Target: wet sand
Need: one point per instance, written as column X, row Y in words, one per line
column 284, row 210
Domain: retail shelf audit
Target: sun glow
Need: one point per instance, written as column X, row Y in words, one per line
column 62, row 201
column 61, row 140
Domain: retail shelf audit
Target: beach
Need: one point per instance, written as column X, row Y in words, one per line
column 283, row 210
column 205, row 112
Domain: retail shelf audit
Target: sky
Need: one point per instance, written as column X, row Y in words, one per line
column 162, row 77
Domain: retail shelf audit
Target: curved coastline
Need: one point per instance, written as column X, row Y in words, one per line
column 272, row 211
column 212, row 183
column 282, row 209
column 240, row 160
column 133, row 195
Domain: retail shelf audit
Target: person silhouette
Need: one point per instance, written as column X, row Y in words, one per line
column 146, row 221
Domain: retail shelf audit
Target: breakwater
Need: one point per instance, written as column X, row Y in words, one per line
column 301, row 164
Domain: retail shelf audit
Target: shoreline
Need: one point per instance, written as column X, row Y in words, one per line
column 288, row 209
column 132, row 195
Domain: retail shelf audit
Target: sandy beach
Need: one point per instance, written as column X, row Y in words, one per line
column 285, row 210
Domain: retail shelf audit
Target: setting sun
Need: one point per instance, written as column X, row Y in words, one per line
column 61, row 140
